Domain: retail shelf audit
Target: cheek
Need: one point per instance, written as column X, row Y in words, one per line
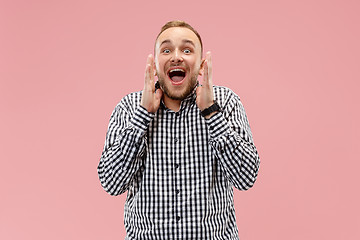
column 194, row 62
column 195, row 66
column 157, row 66
column 160, row 63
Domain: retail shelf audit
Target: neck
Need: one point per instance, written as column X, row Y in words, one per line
column 172, row 103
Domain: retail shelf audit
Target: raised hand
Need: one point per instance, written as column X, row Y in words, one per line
column 150, row 99
column 205, row 93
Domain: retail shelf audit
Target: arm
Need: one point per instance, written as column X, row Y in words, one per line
column 124, row 148
column 125, row 140
column 230, row 134
column 232, row 144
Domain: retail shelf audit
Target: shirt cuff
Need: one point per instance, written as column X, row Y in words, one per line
column 141, row 118
column 218, row 126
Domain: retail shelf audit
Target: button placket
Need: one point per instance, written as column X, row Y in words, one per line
column 177, row 169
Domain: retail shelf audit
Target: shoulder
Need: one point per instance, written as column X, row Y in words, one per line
column 129, row 102
column 224, row 95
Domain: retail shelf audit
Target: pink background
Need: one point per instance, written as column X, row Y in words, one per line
column 64, row 65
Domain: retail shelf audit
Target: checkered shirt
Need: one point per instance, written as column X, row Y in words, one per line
column 178, row 168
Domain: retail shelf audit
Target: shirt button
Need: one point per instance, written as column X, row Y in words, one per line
column 177, row 191
column 176, row 165
column 176, row 139
column 177, row 114
column 178, row 218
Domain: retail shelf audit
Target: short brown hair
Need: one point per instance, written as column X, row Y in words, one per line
column 179, row 23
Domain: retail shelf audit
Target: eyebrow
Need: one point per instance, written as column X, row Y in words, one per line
column 165, row 41
column 188, row 41
column 184, row 41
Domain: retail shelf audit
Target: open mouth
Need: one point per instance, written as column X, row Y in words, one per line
column 177, row 75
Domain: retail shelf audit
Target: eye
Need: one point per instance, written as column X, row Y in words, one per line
column 187, row 51
column 166, row 51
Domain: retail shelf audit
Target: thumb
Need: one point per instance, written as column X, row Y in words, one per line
column 158, row 94
column 198, row 90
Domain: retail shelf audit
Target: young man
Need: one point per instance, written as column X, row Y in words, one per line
column 178, row 148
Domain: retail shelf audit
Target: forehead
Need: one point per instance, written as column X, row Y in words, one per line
column 177, row 35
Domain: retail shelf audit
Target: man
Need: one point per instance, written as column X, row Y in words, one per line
column 178, row 147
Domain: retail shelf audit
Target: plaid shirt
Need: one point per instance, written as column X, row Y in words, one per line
column 178, row 168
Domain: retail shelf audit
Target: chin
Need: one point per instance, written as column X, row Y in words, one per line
column 176, row 94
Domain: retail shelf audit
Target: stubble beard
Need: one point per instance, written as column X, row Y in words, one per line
column 189, row 88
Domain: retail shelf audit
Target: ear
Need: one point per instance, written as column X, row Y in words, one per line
column 201, row 70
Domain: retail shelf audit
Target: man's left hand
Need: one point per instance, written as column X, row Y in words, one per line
column 204, row 92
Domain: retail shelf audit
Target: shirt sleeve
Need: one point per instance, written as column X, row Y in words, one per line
column 124, row 148
column 232, row 144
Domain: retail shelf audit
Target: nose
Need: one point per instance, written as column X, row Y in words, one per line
column 176, row 56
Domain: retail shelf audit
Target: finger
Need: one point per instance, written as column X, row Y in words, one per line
column 148, row 78
column 205, row 78
column 146, row 69
column 151, row 62
column 209, row 67
column 146, row 74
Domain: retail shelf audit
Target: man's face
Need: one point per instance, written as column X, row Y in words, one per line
column 177, row 61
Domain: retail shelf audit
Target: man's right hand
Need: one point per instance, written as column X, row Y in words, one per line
column 150, row 99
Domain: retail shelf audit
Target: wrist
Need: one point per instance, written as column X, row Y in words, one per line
column 210, row 111
column 210, row 115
